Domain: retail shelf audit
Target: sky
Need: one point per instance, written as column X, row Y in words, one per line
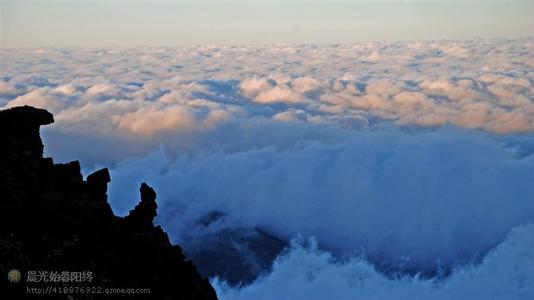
column 101, row 23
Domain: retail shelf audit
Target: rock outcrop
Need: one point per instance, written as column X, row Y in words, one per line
column 51, row 220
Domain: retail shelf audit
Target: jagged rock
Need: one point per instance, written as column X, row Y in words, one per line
column 144, row 212
column 53, row 220
column 99, row 178
column 20, row 125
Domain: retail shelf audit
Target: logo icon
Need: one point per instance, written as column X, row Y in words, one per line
column 14, row 276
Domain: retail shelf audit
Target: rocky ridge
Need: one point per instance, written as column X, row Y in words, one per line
column 53, row 220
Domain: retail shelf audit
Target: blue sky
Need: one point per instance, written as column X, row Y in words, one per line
column 100, row 23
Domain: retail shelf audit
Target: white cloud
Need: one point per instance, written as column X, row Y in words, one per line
column 370, row 102
column 355, row 193
column 251, row 87
column 411, row 98
column 465, row 90
column 278, row 94
column 300, row 138
column 305, row 84
column 379, row 80
column 66, row 89
column 285, row 116
column 306, row 272
column 39, row 98
column 149, row 120
column 383, row 88
column 291, row 115
column 6, row 88
column 101, row 89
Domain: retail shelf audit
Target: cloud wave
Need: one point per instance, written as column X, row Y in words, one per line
column 478, row 84
column 415, row 156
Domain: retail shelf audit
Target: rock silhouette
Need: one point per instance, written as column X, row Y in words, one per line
column 143, row 214
column 53, row 220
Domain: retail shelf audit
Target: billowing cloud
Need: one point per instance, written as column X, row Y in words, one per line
column 66, row 89
column 422, row 84
column 251, row 87
column 362, row 192
column 101, row 89
column 308, row 273
column 40, row 98
column 148, row 120
column 414, row 157
column 382, row 88
column 6, row 88
column 278, row 94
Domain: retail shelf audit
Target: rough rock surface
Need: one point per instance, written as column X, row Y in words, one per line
column 53, row 220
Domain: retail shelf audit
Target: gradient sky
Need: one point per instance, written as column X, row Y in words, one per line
column 99, row 23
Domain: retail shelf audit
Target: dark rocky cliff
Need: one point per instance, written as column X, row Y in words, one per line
column 52, row 220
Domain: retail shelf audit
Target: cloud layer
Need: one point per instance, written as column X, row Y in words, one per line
column 416, row 203
column 413, row 157
column 473, row 84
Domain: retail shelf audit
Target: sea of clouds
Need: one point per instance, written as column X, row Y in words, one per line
column 397, row 170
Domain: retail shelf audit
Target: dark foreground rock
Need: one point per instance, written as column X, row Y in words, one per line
column 55, row 226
